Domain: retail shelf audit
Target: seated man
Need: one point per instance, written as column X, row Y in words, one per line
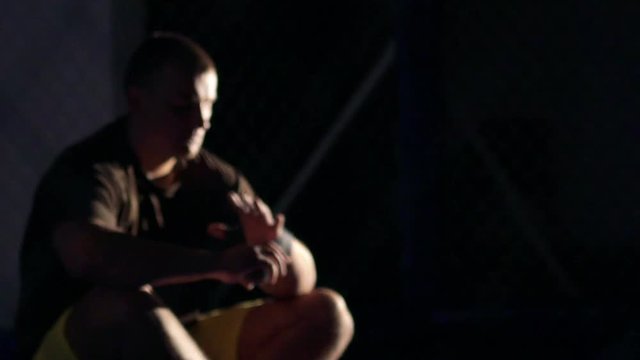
column 143, row 245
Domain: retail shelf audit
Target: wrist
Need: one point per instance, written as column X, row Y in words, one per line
column 285, row 240
column 209, row 264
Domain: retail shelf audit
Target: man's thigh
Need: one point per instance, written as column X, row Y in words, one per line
column 93, row 326
column 218, row 331
column 54, row 344
column 95, row 322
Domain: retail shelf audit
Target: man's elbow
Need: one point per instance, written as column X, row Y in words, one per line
column 76, row 248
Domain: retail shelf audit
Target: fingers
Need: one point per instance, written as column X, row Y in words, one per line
column 249, row 283
column 258, row 223
column 273, row 262
column 238, row 204
column 245, row 204
column 253, row 265
column 280, row 220
column 218, row 230
column 283, row 260
column 263, row 209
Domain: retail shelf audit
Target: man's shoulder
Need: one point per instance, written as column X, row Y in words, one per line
column 102, row 150
column 107, row 142
column 104, row 144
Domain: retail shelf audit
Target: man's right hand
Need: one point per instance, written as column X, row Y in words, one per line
column 258, row 223
column 251, row 265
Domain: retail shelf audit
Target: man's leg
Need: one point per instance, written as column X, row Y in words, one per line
column 314, row 326
column 108, row 324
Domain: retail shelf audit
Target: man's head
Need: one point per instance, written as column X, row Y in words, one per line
column 171, row 85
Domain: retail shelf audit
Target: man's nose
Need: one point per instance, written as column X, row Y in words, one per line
column 202, row 117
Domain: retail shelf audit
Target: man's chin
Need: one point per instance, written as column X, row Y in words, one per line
column 191, row 155
column 190, row 152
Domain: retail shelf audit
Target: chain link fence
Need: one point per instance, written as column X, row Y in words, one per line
column 506, row 242
column 287, row 72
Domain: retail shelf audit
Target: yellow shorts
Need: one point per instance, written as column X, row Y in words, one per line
column 215, row 332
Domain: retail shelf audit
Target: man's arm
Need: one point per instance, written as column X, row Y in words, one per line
column 259, row 226
column 110, row 258
column 301, row 273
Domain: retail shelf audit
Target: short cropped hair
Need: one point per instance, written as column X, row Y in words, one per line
column 163, row 48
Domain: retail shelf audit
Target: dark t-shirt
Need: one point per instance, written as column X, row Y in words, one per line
column 99, row 180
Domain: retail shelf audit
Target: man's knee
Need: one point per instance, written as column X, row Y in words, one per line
column 329, row 310
column 114, row 305
column 127, row 323
column 104, row 314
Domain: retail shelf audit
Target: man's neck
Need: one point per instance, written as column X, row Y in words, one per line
column 154, row 163
column 162, row 170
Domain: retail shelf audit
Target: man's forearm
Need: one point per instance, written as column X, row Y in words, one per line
column 301, row 274
column 113, row 259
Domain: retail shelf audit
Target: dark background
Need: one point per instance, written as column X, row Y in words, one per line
column 287, row 71
column 480, row 201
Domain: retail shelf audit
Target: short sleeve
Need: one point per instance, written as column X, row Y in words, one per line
column 79, row 192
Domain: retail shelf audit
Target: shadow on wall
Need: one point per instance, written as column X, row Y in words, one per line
column 59, row 83
column 7, row 345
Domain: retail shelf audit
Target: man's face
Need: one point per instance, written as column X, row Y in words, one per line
column 177, row 110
